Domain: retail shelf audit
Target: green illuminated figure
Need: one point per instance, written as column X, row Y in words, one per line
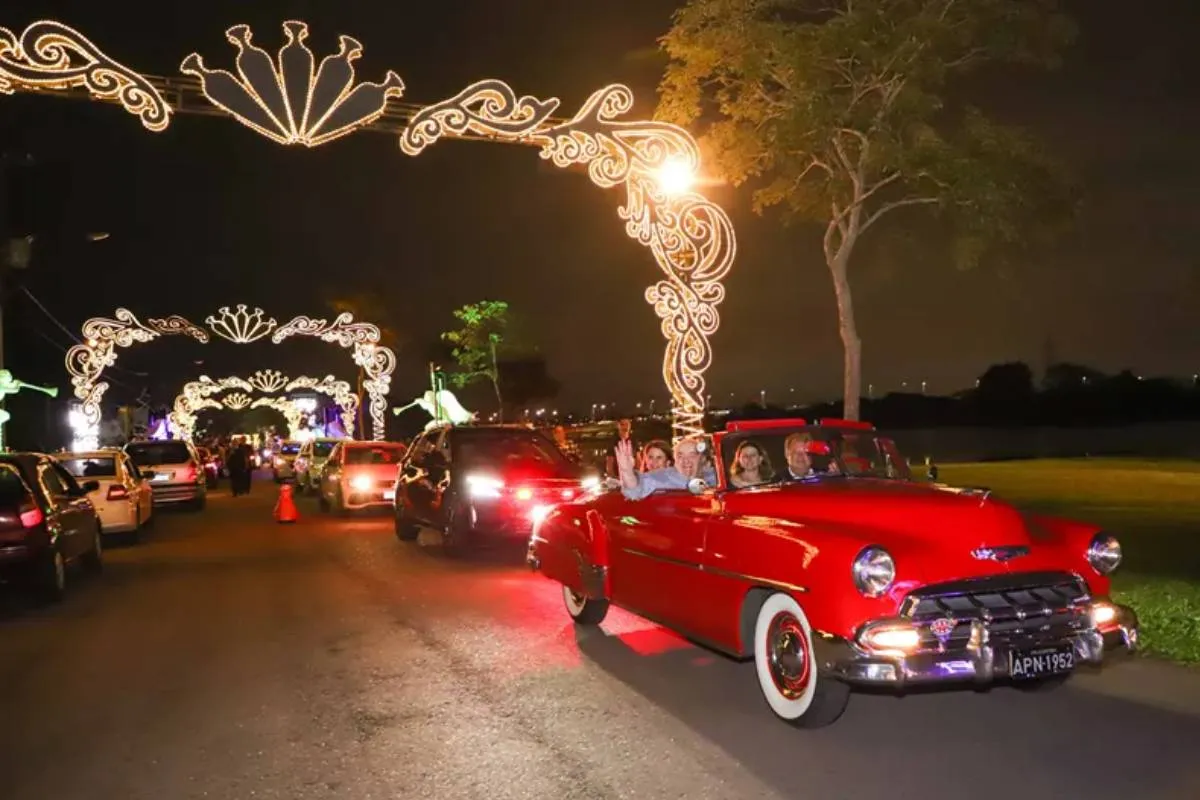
column 10, row 385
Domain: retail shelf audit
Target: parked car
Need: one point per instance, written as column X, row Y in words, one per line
column 175, row 472
column 123, row 498
column 309, row 461
column 359, row 475
column 283, row 460
column 47, row 524
column 852, row 575
column 483, row 484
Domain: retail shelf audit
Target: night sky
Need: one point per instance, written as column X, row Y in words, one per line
column 209, row 213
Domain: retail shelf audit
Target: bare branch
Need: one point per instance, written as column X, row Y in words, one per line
column 886, row 207
column 879, row 184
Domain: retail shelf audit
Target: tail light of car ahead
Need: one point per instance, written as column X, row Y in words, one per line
column 117, row 492
column 31, row 516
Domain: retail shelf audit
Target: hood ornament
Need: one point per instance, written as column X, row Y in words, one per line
column 1000, row 554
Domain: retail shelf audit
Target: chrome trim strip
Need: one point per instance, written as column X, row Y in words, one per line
column 723, row 573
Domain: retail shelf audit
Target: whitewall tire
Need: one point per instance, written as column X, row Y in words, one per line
column 787, row 668
column 583, row 609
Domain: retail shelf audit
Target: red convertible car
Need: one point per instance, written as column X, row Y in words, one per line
column 831, row 568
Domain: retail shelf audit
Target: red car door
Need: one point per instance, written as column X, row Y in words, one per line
column 657, row 548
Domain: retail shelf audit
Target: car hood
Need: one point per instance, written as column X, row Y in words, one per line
column 944, row 526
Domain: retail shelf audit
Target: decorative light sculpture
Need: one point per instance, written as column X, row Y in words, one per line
column 102, row 337
column 292, row 100
column 285, row 406
column 50, row 55
column 10, row 385
column 443, row 406
column 236, row 401
column 197, row 395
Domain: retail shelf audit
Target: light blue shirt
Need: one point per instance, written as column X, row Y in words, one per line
column 657, row 480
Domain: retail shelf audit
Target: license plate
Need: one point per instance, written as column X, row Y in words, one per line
column 390, row 494
column 162, row 477
column 1041, row 662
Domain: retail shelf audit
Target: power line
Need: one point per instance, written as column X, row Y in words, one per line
column 67, row 331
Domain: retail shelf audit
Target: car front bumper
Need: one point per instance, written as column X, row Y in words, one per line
column 981, row 661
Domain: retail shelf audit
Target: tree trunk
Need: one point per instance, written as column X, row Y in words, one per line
column 848, row 329
column 495, row 376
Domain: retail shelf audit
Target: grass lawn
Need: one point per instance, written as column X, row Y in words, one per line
column 1153, row 507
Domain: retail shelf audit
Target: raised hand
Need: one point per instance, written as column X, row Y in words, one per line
column 625, row 463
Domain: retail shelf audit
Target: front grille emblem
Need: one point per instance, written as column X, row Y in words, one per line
column 942, row 629
column 1000, row 554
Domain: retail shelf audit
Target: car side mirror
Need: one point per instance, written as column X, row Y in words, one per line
column 87, row 487
column 697, row 486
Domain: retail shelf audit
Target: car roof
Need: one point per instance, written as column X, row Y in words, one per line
column 110, row 452
column 364, row 443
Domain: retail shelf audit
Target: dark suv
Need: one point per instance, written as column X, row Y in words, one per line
column 481, row 484
column 46, row 523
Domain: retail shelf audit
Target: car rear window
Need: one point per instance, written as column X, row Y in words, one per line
column 90, row 467
column 13, row 491
column 323, row 449
column 289, row 448
column 374, row 455
column 148, row 454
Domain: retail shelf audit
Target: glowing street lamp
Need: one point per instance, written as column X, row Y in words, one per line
column 676, row 176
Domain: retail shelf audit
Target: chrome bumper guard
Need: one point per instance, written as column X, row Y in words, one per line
column 980, row 661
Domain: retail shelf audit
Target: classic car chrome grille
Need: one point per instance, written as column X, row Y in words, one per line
column 1013, row 610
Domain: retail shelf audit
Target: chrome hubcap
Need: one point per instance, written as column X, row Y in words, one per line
column 788, row 656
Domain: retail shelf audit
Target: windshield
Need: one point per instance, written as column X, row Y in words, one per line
column 374, row 455
column 323, row 449
column 289, row 448
column 149, row 454
column 90, row 467
column 753, row 458
column 510, row 449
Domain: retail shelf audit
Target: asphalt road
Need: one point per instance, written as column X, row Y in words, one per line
column 231, row 657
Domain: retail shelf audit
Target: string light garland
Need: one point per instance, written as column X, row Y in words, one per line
column 102, row 336
column 292, row 100
column 50, row 55
column 197, row 395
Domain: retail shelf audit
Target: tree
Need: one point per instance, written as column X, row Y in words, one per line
column 477, row 344
column 839, row 111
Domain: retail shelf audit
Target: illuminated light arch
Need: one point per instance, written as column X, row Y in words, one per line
column 286, row 406
column 291, row 99
column 197, row 395
column 102, row 336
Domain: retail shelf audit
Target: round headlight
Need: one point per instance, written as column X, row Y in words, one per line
column 874, row 571
column 1104, row 553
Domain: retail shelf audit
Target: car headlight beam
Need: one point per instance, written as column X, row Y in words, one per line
column 874, row 571
column 1104, row 553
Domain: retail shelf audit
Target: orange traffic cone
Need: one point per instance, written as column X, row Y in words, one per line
column 285, row 507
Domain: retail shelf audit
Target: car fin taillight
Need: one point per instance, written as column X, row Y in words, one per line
column 117, row 492
column 31, row 516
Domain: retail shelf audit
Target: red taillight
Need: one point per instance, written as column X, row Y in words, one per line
column 31, row 516
column 117, row 492
column 190, row 475
column 524, row 494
